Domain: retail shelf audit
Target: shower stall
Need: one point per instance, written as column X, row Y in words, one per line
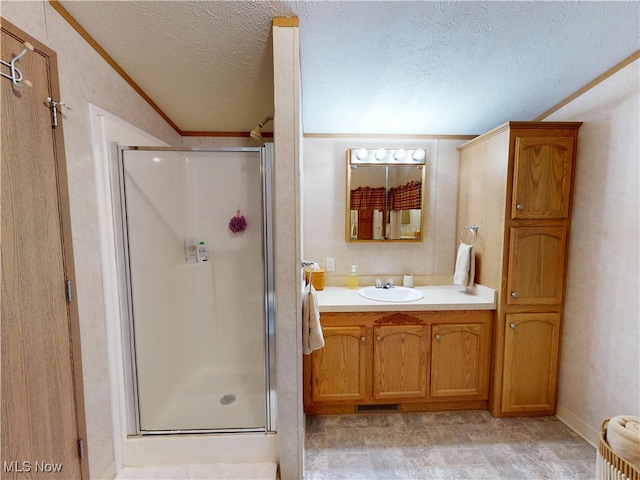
column 195, row 259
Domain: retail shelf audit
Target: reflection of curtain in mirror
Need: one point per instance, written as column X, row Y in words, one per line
column 368, row 201
column 367, row 198
column 405, row 197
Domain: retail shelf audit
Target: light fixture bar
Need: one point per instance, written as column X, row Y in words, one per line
column 387, row 156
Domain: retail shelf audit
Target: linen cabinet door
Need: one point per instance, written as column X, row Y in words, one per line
column 338, row 371
column 542, row 177
column 530, row 362
column 459, row 360
column 400, row 361
column 536, row 265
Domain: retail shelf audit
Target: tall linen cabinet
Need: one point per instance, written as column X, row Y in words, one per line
column 516, row 184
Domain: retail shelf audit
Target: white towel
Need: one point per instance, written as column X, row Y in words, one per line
column 312, row 338
column 465, row 266
column 623, row 436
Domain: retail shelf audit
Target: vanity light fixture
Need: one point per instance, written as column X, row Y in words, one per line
column 386, row 156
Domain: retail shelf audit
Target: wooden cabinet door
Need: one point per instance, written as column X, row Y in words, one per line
column 530, row 362
column 459, row 360
column 400, row 361
column 542, row 177
column 338, row 371
column 536, row 265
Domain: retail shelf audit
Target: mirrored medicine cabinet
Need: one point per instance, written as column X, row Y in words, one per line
column 385, row 194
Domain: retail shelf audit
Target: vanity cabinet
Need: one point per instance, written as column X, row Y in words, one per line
column 460, row 359
column 531, row 344
column 535, row 274
column 542, row 176
column 339, row 368
column 516, row 185
column 400, row 361
column 425, row 360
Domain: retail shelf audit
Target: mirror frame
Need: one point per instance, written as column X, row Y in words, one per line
column 385, row 157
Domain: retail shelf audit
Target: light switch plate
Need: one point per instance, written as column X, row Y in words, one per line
column 330, row 264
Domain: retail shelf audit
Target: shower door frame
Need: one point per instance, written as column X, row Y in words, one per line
column 125, row 294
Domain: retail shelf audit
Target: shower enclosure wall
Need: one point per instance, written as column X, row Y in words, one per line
column 198, row 332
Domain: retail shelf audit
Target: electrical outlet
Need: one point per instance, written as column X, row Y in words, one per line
column 331, row 264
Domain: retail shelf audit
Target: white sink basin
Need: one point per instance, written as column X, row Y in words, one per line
column 395, row 294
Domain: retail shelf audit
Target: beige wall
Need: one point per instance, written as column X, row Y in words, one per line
column 287, row 246
column 324, row 185
column 87, row 78
column 600, row 363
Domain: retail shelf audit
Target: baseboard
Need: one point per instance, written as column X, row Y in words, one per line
column 109, row 473
column 577, row 425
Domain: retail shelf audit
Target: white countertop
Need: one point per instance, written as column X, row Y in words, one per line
column 440, row 297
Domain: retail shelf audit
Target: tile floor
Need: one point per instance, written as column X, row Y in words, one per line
column 444, row 445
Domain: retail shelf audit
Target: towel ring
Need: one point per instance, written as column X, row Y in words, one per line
column 473, row 229
column 306, row 263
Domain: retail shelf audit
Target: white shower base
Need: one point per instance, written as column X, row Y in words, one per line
column 218, row 471
column 216, row 400
column 204, row 449
column 198, row 406
column 201, row 408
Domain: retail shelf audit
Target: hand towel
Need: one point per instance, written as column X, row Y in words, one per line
column 465, row 266
column 312, row 338
column 623, row 436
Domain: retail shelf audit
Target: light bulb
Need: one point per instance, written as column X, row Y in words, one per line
column 400, row 154
column 418, row 155
column 380, row 154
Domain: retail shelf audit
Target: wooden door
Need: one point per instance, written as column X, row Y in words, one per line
column 400, row 361
column 536, row 265
column 365, row 224
column 459, row 360
column 542, row 177
column 530, row 363
column 338, row 371
column 42, row 403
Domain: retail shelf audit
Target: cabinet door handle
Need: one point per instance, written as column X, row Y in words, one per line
column 514, row 294
column 363, row 340
column 378, row 339
column 437, row 337
column 513, row 326
column 520, row 206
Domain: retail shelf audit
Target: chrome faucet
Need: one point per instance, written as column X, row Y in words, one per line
column 386, row 285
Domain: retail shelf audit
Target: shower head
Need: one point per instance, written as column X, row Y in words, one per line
column 256, row 133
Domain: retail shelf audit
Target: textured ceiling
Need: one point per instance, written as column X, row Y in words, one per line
column 415, row 67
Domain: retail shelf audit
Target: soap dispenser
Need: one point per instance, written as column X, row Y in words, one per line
column 352, row 280
column 202, row 254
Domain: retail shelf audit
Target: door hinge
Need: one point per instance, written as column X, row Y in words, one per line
column 69, row 290
column 81, row 448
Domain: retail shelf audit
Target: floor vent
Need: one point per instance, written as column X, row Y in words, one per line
column 389, row 407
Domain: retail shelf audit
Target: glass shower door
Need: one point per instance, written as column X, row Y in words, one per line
column 194, row 230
